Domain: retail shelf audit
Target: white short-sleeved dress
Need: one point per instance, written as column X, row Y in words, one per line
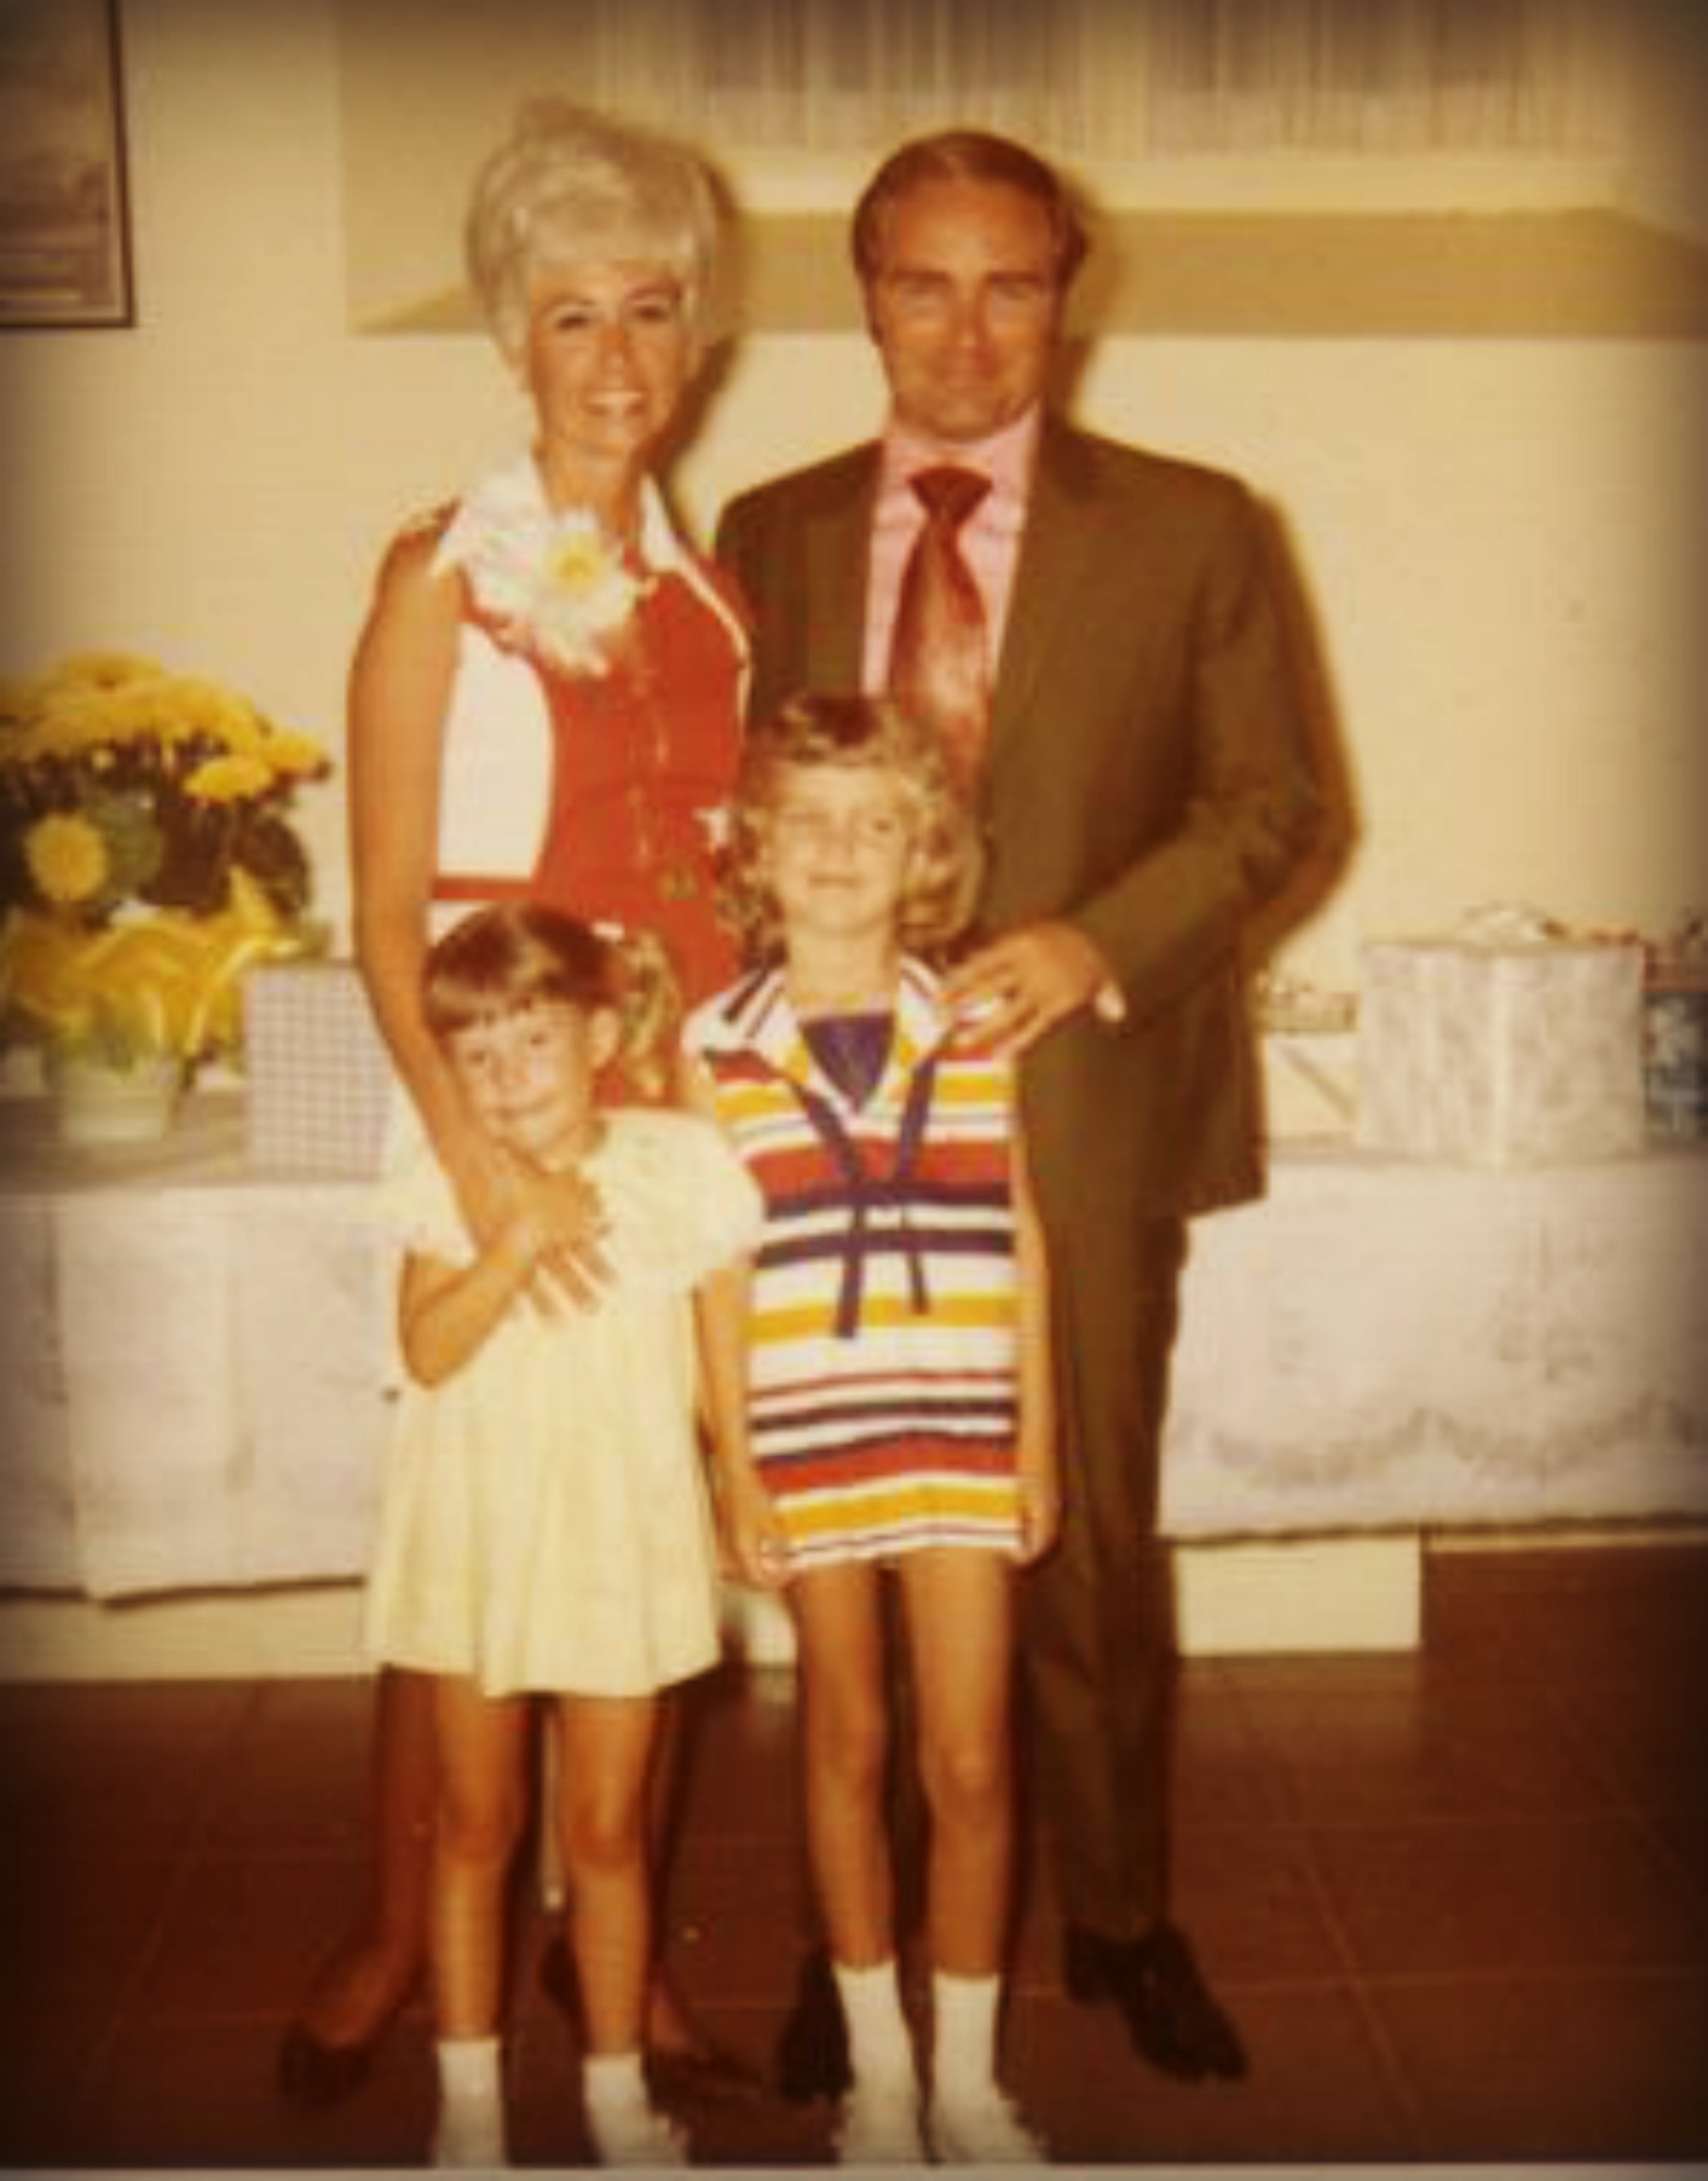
column 544, row 1522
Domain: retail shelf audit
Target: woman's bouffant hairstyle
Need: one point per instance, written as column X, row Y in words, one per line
column 570, row 185
column 967, row 154
column 812, row 730
column 521, row 954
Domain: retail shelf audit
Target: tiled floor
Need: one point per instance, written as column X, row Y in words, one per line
column 1458, row 1901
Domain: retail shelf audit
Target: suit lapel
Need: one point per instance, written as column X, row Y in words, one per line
column 837, row 549
column 1058, row 551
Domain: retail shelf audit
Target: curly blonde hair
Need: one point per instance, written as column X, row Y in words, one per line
column 816, row 730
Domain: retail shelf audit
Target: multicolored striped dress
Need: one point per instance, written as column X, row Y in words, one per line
column 882, row 1382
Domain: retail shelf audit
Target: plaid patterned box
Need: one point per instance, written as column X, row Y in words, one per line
column 1675, row 1049
column 319, row 1077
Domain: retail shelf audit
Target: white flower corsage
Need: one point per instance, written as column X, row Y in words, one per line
column 558, row 583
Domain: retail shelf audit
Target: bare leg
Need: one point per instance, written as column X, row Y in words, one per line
column 844, row 1695
column 483, row 1800
column 960, row 1616
column 960, row 1620
column 376, row 1966
column 812, row 2051
column 846, row 1726
column 374, row 1969
column 602, row 1820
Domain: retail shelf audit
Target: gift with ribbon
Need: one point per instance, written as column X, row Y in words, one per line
column 1509, row 1041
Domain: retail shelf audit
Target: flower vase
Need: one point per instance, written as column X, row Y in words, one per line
column 100, row 1102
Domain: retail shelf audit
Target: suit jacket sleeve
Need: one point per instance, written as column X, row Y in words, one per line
column 1190, row 781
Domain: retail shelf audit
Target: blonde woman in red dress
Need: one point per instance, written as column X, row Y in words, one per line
column 544, row 703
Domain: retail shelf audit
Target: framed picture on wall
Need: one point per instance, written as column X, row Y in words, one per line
column 64, row 216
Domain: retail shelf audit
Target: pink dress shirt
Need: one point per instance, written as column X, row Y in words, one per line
column 991, row 539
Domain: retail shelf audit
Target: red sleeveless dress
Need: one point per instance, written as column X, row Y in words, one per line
column 642, row 760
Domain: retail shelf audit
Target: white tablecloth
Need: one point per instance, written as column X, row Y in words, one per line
column 1383, row 1343
column 194, row 1356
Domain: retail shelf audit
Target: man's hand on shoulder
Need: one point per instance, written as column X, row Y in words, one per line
column 1010, row 993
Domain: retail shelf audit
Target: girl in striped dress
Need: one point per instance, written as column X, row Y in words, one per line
column 878, row 1374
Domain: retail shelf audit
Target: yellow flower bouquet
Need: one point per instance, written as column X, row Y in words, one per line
column 147, row 857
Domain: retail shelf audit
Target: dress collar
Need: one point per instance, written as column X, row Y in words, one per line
column 758, row 1018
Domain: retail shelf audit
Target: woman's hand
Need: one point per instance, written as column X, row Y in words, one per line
column 561, row 1215
column 572, row 1217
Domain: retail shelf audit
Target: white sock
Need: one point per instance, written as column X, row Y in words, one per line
column 964, row 2034
column 613, row 2089
column 471, row 2131
column 880, row 2049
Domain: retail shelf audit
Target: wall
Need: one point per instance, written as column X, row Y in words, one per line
column 1499, row 539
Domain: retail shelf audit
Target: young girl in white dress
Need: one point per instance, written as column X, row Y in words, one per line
column 878, row 1377
column 544, row 1525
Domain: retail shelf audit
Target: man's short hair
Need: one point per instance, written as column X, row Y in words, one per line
column 967, row 154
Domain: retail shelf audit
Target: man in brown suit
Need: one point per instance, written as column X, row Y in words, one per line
column 1145, row 784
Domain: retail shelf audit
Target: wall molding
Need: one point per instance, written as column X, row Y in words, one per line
column 1571, row 275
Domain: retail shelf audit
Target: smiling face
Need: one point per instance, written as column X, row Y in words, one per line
column 608, row 354
column 964, row 304
column 839, row 852
column 529, row 1072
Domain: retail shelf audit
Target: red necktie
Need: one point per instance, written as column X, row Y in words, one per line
column 939, row 656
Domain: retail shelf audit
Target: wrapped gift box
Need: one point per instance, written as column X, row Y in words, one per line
column 320, row 1082
column 1526, row 1052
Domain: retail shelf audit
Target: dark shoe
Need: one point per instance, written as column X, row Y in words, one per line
column 314, row 2069
column 812, row 2050
column 699, row 2074
column 1172, row 2015
column 314, row 2073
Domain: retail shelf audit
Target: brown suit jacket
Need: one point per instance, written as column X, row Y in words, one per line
column 1149, row 777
